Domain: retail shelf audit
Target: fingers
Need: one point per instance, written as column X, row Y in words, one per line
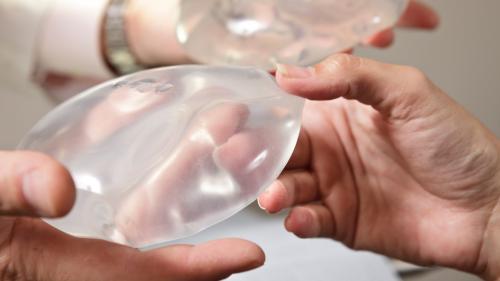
column 419, row 15
column 248, row 158
column 292, row 188
column 34, row 184
column 213, row 260
column 221, row 122
column 301, row 156
column 392, row 90
column 42, row 253
column 311, row 221
column 124, row 104
column 382, row 39
column 240, row 154
column 158, row 207
column 211, row 129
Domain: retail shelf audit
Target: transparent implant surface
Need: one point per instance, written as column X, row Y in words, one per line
column 262, row 32
column 165, row 153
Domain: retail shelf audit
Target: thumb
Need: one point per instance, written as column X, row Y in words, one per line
column 393, row 90
column 213, row 260
column 34, row 184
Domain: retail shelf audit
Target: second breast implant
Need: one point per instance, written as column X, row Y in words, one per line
column 263, row 32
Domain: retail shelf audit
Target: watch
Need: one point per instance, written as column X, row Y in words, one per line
column 117, row 52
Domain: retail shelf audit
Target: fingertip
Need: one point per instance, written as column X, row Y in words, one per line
column 253, row 255
column 433, row 20
column 293, row 79
column 62, row 188
column 221, row 258
column 48, row 186
column 419, row 15
column 239, row 151
column 314, row 83
column 261, row 205
column 274, row 198
column 300, row 222
column 382, row 39
column 429, row 19
column 234, row 116
column 34, row 184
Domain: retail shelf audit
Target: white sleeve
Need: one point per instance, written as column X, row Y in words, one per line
column 20, row 22
column 70, row 39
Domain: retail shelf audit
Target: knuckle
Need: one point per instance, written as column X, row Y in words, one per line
column 414, row 91
column 12, row 196
column 295, row 181
column 415, row 76
column 414, row 84
column 13, row 201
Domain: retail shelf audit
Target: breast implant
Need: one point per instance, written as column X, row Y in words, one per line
column 263, row 32
column 165, row 153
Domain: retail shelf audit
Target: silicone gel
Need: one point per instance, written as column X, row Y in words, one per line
column 162, row 154
column 262, row 32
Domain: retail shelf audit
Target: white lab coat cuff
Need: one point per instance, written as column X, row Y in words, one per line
column 70, row 42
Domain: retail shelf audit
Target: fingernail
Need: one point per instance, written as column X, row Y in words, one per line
column 260, row 206
column 33, row 191
column 294, row 72
column 263, row 194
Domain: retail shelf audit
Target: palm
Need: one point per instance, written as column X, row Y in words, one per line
column 396, row 166
column 373, row 176
column 32, row 250
column 51, row 254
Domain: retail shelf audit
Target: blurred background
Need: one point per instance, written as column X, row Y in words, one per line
column 462, row 57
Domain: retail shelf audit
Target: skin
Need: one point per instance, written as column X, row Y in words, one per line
column 391, row 164
column 33, row 185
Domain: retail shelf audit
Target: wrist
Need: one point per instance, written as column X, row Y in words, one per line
column 150, row 29
column 490, row 253
column 116, row 47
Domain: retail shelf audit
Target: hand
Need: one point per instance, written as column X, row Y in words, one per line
column 174, row 194
column 395, row 166
column 417, row 15
column 172, row 197
column 32, row 184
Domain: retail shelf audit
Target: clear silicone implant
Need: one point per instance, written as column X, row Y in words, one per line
column 262, row 32
column 164, row 153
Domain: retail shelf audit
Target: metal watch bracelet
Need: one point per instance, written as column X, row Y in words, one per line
column 116, row 48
